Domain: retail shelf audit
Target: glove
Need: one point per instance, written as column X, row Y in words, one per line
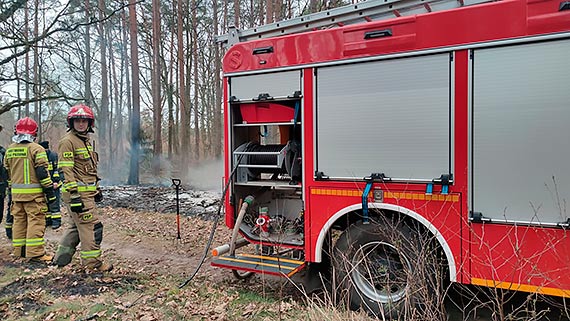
column 76, row 204
column 9, row 232
column 99, row 196
column 55, row 223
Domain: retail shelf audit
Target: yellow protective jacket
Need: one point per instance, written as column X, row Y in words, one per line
column 21, row 162
column 77, row 164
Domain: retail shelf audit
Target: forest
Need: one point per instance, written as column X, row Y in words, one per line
column 150, row 69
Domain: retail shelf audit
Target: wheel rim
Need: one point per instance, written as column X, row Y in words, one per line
column 380, row 272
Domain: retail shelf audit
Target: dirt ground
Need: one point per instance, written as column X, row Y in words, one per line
column 140, row 240
column 150, row 263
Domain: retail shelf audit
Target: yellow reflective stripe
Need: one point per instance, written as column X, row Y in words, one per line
column 522, row 287
column 18, row 242
column 50, row 167
column 56, row 215
column 82, row 189
column 82, row 151
column 26, row 190
column 55, row 174
column 66, row 163
column 26, row 172
column 90, row 254
column 35, row 242
column 46, row 181
column 70, row 185
column 41, row 155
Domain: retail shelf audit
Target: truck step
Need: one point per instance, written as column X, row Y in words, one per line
column 272, row 265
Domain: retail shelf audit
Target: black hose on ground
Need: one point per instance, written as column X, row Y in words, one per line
column 214, row 226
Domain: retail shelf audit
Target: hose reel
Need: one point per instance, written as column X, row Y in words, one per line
column 261, row 159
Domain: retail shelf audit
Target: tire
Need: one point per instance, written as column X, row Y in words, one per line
column 381, row 268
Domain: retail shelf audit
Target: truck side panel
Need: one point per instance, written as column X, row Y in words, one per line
column 519, row 167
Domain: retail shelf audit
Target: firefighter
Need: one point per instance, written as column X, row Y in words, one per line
column 9, row 217
column 3, row 188
column 54, row 218
column 78, row 170
column 30, row 185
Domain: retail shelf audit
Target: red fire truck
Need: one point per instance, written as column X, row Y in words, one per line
column 386, row 138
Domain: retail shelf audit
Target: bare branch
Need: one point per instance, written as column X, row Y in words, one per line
column 6, row 14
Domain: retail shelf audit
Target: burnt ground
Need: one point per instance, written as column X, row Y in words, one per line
column 162, row 199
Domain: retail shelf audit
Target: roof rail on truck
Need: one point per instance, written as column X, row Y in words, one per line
column 367, row 11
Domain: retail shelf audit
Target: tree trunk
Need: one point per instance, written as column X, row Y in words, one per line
column 225, row 18
column 313, row 4
column 37, row 80
column 170, row 97
column 278, row 10
column 27, row 59
column 115, row 101
column 155, row 79
column 136, row 118
column 125, row 61
column 217, row 121
column 260, row 5
column 87, row 94
column 184, row 119
column 236, row 13
column 104, row 107
column 269, row 11
column 196, row 104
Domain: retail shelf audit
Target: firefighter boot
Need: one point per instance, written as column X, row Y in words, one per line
column 45, row 259
column 103, row 267
column 63, row 256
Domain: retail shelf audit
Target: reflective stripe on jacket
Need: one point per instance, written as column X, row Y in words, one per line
column 21, row 162
column 77, row 164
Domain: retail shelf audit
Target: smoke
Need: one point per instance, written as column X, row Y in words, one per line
column 204, row 176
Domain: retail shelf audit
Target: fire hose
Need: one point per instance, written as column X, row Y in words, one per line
column 214, row 225
column 246, row 203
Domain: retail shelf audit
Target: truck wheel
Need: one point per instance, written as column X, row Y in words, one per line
column 242, row 275
column 379, row 267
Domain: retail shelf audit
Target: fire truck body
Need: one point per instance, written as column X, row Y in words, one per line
column 456, row 120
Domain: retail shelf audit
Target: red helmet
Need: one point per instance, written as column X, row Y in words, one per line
column 26, row 126
column 80, row 112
